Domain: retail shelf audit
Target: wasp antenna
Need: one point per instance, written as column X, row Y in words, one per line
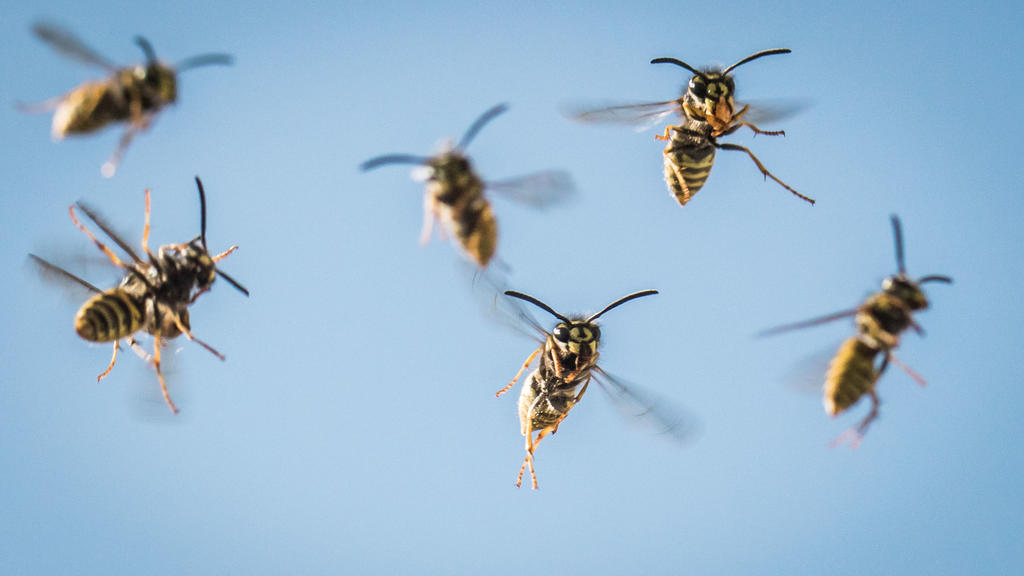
column 233, row 282
column 936, row 278
column 392, row 159
column 897, row 236
column 202, row 211
column 205, row 60
column 479, row 123
column 622, row 301
column 147, row 49
column 537, row 303
column 756, row 56
column 678, row 63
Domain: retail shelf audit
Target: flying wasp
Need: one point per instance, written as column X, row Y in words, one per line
column 709, row 112
column 455, row 193
column 568, row 362
column 134, row 94
column 862, row 359
column 154, row 295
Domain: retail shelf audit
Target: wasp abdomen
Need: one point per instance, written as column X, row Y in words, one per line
column 688, row 160
column 477, row 230
column 851, row 375
column 109, row 316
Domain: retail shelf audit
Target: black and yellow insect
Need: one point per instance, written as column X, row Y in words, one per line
column 568, row 362
column 880, row 321
column 455, row 193
column 154, row 295
column 708, row 110
column 134, row 94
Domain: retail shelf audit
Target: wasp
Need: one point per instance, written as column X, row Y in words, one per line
column 133, row 94
column 880, row 321
column 709, row 112
column 568, row 362
column 455, row 193
column 154, row 295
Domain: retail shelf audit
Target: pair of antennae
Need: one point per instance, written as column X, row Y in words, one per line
column 192, row 62
column 202, row 236
column 468, row 137
column 727, row 70
column 544, row 306
column 897, row 233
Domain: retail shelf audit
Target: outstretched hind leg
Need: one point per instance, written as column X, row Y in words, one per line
column 764, row 171
column 160, row 374
column 856, row 434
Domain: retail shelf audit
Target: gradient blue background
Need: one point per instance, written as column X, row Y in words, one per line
column 353, row 427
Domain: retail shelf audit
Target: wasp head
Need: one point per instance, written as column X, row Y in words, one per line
column 906, row 290
column 710, row 95
column 189, row 264
column 577, row 337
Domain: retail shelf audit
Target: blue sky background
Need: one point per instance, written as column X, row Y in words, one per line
column 353, row 427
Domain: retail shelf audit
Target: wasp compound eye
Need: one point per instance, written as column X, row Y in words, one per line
column 562, row 333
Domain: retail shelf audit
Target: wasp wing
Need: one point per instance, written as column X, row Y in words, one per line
column 108, row 230
column 50, row 271
column 489, row 288
column 633, row 402
column 807, row 323
column 539, row 189
column 642, row 115
column 766, row 111
column 69, row 45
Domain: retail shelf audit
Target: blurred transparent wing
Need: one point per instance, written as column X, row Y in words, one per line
column 642, row 115
column 539, row 189
column 636, row 403
column 489, row 290
column 807, row 323
column 108, row 230
column 69, row 45
column 767, row 111
column 53, row 273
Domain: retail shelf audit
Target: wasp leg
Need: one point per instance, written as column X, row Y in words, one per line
column 666, row 135
column 856, row 434
column 429, row 215
column 221, row 256
column 145, row 230
column 146, row 357
column 160, row 374
column 117, row 346
column 188, row 334
column 764, row 171
column 110, row 254
column 526, row 364
column 910, row 371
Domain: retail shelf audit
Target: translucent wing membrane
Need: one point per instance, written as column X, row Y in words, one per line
column 69, row 45
column 642, row 115
column 539, row 189
column 55, row 273
column 636, row 403
column 808, row 323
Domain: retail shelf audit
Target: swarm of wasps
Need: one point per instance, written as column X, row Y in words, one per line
column 157, row 290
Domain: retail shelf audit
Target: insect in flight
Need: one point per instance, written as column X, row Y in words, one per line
column 568, row 362
column 880, row 321
column 455, row 193
column 154, row 294
column 708, row 112
column 133, row 94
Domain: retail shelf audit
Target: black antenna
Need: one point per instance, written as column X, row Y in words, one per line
column 621, row 301
column 147, row 49
column 537, row 303
column 679, row 63
column 392, row 159
column 480, row 123
column 897, row 235
column 756, row 56
column 202, row 236
column 936, row 278
column 205, row 60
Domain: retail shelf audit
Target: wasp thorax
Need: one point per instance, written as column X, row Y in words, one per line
column 906, row 290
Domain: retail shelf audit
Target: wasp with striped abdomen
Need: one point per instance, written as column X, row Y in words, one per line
column 133, row 94
column 568, row 363
column 154, row 295
column 862, row 359
column 455, row 193
column 709, row 112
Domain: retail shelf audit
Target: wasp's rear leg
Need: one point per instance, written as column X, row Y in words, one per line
column 764, row 171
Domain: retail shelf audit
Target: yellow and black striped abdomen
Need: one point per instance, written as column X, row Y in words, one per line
column 477, row 230
column 688, row 160
column 851, row 375
column 109, row 316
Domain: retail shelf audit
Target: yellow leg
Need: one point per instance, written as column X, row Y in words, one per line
column 764, row 171
column 111, row 365
column 188, row 334
column 526, row 364
column 221, row 256
column 160, row 374
column 110, row 254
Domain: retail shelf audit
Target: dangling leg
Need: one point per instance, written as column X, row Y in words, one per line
column 113, row 359
column 529, row 456
column 109, row 167
column 429, row 215
column 160, row 374
column 856, row 435
column 520, row 373
column 764, row 171
column 188, row 334
column 666, row 135
column 110, row 254
column 910, row 372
